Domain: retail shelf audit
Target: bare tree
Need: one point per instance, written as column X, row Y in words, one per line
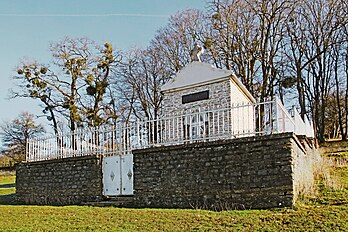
column 174, row 42
column 234, row 43
column 247, row 39
column 14, row 135
column 321, row 32
column 141, row 76
column 144, row 71
column 339, row 108
column 295, row 45
column 344, row 89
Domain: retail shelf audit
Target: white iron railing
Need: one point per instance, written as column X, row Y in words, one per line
column 302, row 127
column 240, row 120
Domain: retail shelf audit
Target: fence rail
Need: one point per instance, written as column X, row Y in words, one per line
column 197, row 125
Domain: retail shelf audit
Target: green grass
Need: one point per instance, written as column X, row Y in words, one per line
column 327, row 211
column 77, row 218
column 334, row 196
column 337, row 152
column 335, row 144
column 7, row 181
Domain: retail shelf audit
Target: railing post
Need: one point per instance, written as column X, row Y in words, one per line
column 27, row 149
column 295, row 119
column 276, row 113
column 138, row 134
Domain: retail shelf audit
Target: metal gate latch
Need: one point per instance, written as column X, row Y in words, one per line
column 130, row 174
column 112, row 175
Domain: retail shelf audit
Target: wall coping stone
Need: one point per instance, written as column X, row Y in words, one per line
column 202, row 144
column 60, row 160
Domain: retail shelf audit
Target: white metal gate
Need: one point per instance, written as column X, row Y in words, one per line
column 118, row 175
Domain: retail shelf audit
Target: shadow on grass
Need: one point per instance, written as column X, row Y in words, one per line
column 3, row 186
column 9, row 199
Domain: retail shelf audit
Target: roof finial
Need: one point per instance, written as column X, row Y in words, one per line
column 196, row 52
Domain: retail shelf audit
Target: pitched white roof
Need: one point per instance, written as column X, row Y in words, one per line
column 198, row 73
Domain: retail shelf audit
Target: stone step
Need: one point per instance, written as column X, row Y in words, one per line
column 119, row 201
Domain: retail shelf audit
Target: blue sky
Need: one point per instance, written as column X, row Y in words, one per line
column 27, row 27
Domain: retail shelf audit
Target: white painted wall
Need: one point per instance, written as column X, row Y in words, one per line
column 242, row 111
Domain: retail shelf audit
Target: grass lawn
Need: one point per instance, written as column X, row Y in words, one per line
column 326, row 212
column 77, row 218
column 7, row 185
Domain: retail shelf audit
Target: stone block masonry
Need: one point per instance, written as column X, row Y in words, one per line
column 219, row 98
column 60, row 182
column 250, row 172
column 243, row 173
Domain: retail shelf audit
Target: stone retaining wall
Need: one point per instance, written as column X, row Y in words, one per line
column 60, row 182
column 252, row 172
